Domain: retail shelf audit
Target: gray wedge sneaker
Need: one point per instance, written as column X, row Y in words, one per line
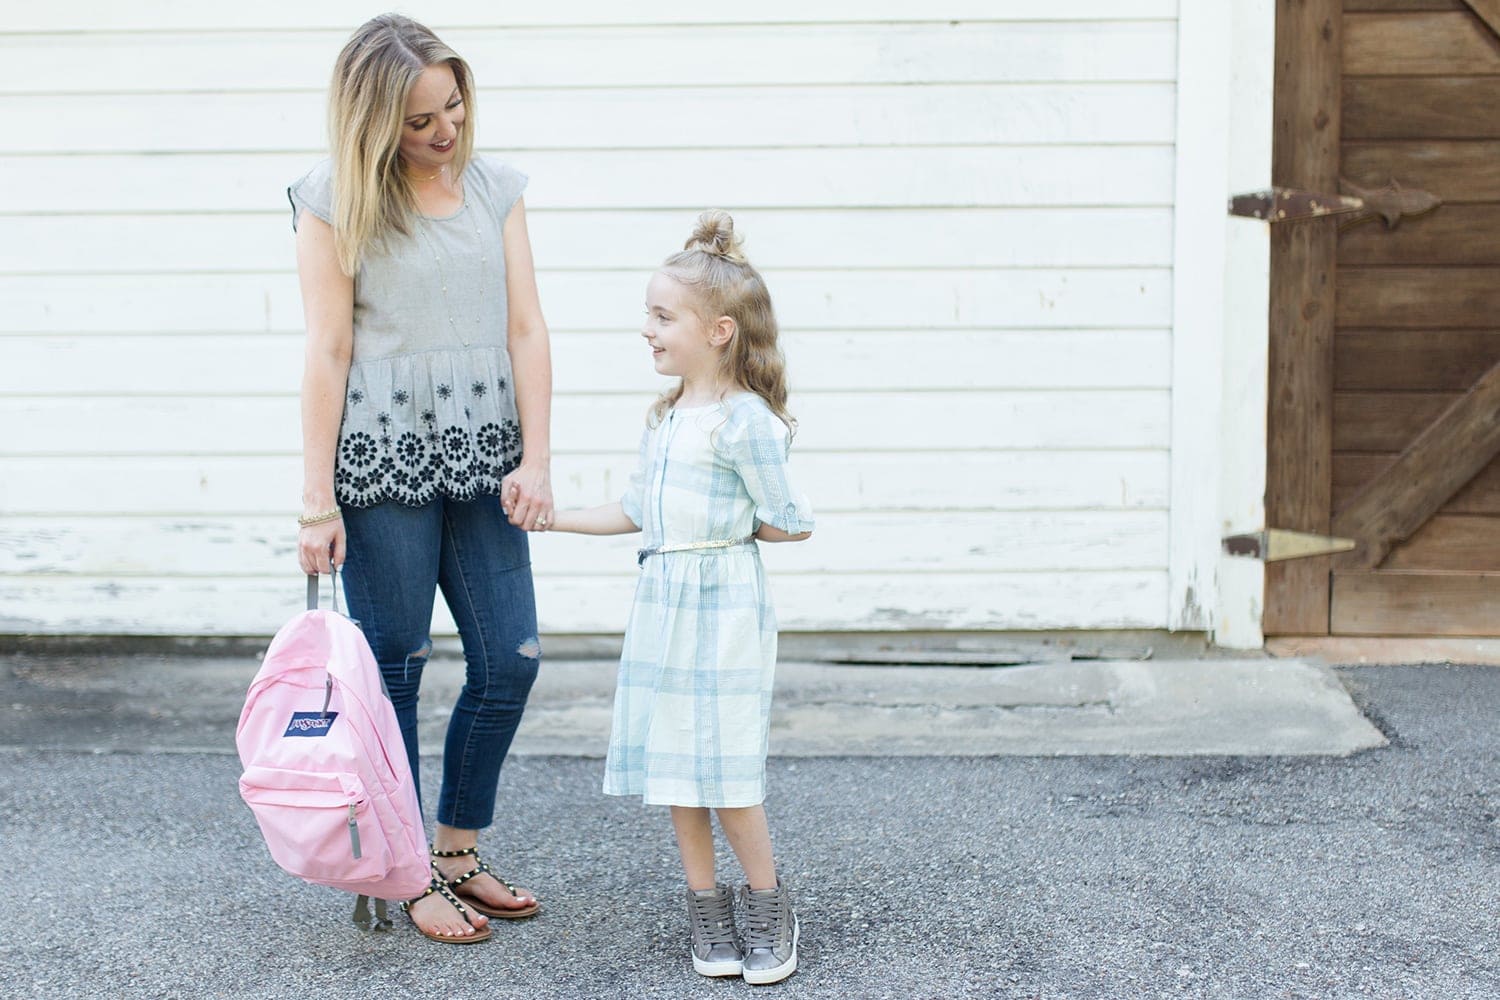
column 771, row 933
column 716, row 941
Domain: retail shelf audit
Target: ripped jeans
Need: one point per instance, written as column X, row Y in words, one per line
column 398, row 556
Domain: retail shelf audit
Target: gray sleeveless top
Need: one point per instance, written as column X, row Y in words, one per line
column 430, row 407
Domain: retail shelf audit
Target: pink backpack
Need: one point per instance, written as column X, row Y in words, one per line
column 326, row 772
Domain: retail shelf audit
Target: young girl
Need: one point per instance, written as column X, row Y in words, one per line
column 692, row 705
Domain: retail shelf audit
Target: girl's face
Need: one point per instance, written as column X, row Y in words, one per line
column 434, row 117
column 682, row 344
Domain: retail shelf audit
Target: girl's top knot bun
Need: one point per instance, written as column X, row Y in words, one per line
column 714, row 235
column 722, row 284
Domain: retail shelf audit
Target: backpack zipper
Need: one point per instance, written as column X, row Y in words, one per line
column 353, row 831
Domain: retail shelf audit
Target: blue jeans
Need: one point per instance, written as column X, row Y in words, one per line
column 397, row 557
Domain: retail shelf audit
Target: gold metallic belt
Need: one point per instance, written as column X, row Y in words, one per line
column 728, row 543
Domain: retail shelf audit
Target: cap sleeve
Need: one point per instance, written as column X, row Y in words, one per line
column 756, row 443
column 504, row 185
column 313, row 191
column 634, row 499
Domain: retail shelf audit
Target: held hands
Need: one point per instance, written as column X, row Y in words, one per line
column 526, row 497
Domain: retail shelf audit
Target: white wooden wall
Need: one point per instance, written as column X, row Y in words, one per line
column 964, row 210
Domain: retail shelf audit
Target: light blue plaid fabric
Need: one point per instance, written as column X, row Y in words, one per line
column 693, row 698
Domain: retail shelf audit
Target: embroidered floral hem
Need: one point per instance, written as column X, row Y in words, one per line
column 421, row 425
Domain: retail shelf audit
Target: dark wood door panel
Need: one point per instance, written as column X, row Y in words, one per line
column 1454, row 170
column 1451, row 234
column 1450, row 542
column 1416, row 603
column 1413, row 377
column 1445, row 43
column 1384, row 421
column 1353, row 471
column 1352, row 6
column 1304, row 154
column 1405, row 360
column 1433, row 297
column 1458, row 107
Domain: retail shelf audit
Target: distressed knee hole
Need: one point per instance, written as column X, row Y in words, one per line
column 418, row 655
column 531, row 649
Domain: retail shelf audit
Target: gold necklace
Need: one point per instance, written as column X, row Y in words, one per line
column 443, row 274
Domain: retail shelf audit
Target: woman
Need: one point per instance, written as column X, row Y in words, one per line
column 426, row 399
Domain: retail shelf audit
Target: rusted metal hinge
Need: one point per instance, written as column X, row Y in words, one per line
column 1276, row 544
column 1281, row 204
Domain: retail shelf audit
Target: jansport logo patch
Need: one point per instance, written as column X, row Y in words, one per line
column 310, row 724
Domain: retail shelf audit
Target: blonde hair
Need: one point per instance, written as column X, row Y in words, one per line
column 713, row 265
column 372, row 78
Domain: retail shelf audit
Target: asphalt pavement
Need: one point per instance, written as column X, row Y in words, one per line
column 1111, row 869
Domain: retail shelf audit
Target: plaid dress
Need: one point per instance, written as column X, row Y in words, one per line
column 693, row 698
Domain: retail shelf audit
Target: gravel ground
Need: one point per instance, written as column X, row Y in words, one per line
column 135, row 875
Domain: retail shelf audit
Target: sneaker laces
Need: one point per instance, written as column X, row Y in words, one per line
column 763, row 918
column 714, row 918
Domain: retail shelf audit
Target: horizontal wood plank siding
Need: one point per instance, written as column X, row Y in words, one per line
column 964, row 212
column 844, row 421
column 826, row 361
column 339, row 15
column 597, row 603
column 594, row 118
column 994, row 480
column 615, row 56
column 868, row 542
column 621, row 239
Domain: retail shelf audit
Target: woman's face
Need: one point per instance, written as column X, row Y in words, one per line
column 434, row 116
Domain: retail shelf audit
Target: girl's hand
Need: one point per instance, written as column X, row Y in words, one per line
column 526, row 497
column 769, row 533
column 315, row 543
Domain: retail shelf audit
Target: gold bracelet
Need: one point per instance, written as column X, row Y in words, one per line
column 328, row 515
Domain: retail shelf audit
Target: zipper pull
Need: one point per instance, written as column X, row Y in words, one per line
column 327, row 694
column 353, row 831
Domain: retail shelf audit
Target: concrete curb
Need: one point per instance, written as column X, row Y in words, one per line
column 1255, row 707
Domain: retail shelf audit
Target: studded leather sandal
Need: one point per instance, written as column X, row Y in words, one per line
column 440, row 887
column 480, row 868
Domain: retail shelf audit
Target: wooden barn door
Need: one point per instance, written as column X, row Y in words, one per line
column 1385, row 342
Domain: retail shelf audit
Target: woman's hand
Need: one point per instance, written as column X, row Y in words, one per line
column 315, row 543
column 526, row 496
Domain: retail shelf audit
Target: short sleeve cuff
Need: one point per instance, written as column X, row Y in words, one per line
column 313, row 192
column 631, row 504
column 506, row 185
column 794, row 517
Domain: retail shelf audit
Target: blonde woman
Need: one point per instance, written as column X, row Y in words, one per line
column 426, row 399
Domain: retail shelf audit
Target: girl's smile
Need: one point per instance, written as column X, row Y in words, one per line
column 678, row 338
